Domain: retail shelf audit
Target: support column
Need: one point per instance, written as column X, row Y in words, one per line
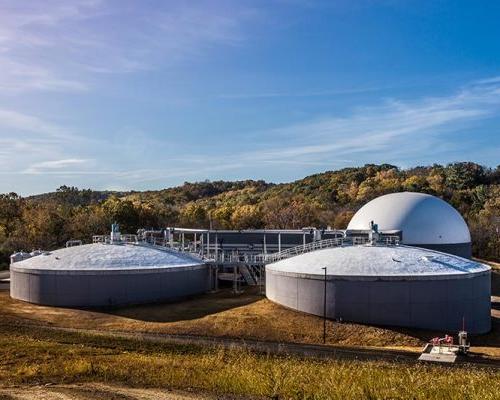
column 216, row 248
column 208, row 244
column 279, row 242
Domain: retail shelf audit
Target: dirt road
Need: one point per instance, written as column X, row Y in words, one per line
column 94, row 391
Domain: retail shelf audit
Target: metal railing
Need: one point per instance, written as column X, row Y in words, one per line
column 306, row 248
column 389, row 240
column 101, row 239
column 359, row 240
column 124, row 238
column 129, row 238
column 233, row 257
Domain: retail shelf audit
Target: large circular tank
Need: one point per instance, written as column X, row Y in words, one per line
column 425, row 221
column 386, row 285
column 107, row 275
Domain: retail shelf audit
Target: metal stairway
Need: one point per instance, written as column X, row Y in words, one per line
column 247, row 275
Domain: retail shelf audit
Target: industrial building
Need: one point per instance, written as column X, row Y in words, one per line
column 422, row 220
column 398, row 263
column 385, row 285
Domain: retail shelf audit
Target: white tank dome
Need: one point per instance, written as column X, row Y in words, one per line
column 423, row 219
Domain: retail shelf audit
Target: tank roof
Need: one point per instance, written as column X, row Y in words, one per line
column 390, row 262
column 107, row 257
column 423, row 219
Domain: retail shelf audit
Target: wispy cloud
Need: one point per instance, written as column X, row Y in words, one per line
column 397, row 131
column 58, row 166
column 58, row 45
column 319, row 93
column 17, row 121
column 383, row 129
column 393, row 131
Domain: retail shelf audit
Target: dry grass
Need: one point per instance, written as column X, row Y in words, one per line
column 36, row 357
column 248, row 316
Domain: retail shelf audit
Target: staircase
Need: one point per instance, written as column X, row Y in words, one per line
column 247, row 275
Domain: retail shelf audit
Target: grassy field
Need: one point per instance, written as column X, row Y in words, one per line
column 36, row 356
column 131, row 368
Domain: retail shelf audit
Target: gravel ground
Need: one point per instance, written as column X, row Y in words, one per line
column 93, row 391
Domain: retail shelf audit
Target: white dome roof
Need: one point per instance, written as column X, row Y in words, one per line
column 378, row 261
column 92, row 257
column 423, row 219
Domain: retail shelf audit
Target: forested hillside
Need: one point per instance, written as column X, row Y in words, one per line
column 325, row 199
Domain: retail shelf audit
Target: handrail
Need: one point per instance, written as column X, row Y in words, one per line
column 306, row 248
column 327, row 243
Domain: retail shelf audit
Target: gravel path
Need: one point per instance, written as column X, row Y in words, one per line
column 93, row 391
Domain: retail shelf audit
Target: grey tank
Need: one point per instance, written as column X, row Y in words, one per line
column 386, row 285
column 107, row 275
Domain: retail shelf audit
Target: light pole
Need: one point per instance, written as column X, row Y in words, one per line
column 324, row 309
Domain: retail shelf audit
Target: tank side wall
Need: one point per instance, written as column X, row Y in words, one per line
column 97, row 290
column 424, row 304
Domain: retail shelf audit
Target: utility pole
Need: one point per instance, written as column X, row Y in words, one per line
column 324, row 309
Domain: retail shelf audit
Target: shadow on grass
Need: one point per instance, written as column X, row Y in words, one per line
column 188, row 309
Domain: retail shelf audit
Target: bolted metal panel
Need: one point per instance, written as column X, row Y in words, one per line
column 425, row 304
column 74, row 289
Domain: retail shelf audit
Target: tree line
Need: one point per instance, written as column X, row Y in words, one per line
column 327, row 199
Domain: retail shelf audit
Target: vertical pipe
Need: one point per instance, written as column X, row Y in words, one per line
column 208, row 244
column 216, row 248
column 182, row 240
column 279, row 242
column 265, row 244
column 304, row 239
column 195, row 242
column 324, row 310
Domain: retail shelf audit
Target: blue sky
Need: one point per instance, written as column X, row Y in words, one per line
column 141, row 95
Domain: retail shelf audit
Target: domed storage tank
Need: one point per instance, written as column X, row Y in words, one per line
column 386, row 285
column 425, row 221
column 107, row 275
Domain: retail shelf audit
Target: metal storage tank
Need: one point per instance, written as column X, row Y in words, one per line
column 425, row 221
column 386, row 285
column 107, row 275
